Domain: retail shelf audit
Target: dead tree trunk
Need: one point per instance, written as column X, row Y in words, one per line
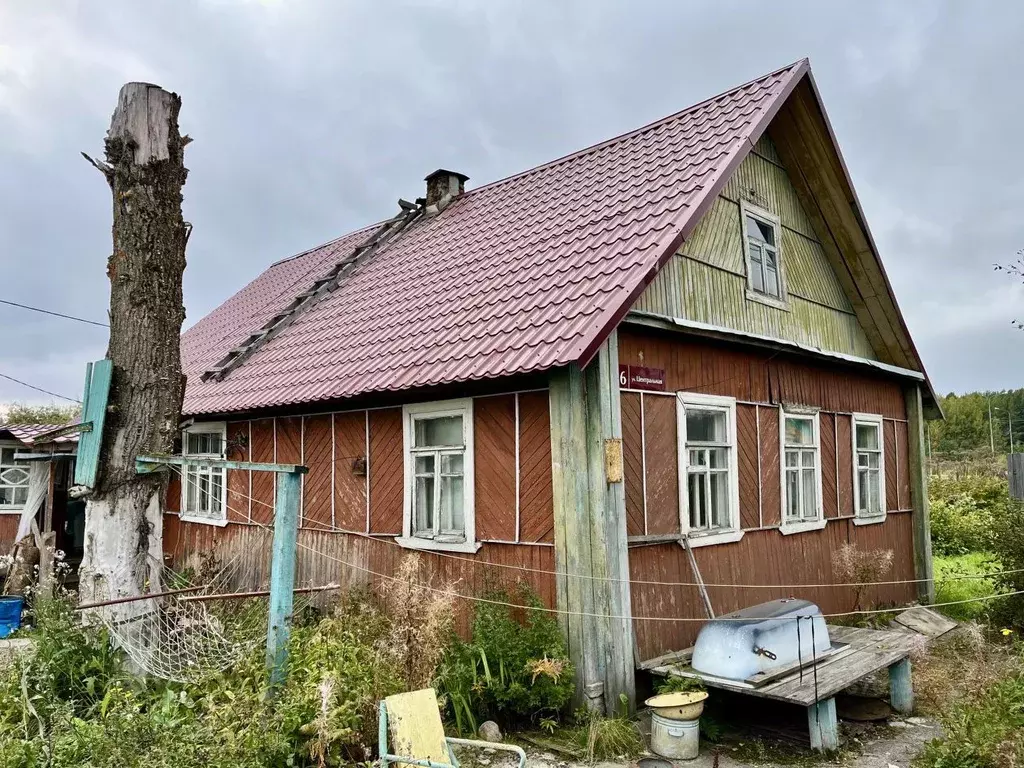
column 145, row 170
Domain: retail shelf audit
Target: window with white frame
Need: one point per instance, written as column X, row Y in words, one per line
column 801, row 471
column 204, row 489
column 13, row 478
column 709, row 487
column 868, row 466
column 761, row 235
column 439, row 475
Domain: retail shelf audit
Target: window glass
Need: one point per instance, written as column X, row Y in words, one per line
column 441, row 431
column 867, row 436
column 705, row 426
column 799, row 431
column 801, row 479
column 760, row 230
column 763, row 257
column 13, row 478
column 204, row 487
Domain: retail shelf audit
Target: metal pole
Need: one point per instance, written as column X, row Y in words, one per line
column 282, row 574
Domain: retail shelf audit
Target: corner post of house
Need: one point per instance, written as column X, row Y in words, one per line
column 608, row 524
column 919, row 495
column 573, row 559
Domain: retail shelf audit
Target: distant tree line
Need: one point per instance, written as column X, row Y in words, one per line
column 967, row 429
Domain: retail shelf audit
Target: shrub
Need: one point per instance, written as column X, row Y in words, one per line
column 608, row 738
column 1008, row 548
column 964, row 509
column 513, row 671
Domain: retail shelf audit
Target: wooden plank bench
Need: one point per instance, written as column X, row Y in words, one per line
column 868, row 651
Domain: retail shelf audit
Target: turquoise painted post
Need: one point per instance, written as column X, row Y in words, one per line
column 823, row 725
column 282, row 574
column 901, row 692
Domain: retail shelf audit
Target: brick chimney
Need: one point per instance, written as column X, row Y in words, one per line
column 443, row 187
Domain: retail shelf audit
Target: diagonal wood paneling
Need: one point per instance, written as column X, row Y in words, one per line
column 771, row 480
column 316, row 489
column 827, row 425
column 494, row 440
column 632, row 463
column 238, row 480
column 262, row 450
column 536, row 504
column 746, row 459
column 387, row 471
column 844, row 445
column 350, row 488
column 903, row 459
column 662, row 465
column 891, row 489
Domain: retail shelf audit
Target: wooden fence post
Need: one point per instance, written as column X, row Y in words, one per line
column 282, row 574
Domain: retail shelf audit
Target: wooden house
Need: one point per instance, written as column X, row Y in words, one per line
column 677, row 341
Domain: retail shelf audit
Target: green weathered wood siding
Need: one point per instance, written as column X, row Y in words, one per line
column 706, row 281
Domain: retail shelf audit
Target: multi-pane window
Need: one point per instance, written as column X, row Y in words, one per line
column 868, row 466
column 203, row 487
column 708, row 436
column 801, row 474
column 761, row 236
column 13, row 478
column 439, row 467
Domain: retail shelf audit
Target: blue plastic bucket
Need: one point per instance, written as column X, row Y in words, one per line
column 10, row 614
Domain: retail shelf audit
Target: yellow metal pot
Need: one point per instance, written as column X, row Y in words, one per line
column 678, row 706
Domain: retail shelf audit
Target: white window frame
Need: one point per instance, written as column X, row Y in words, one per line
column 188, row 471
column 875, row 420
column 725, row 535
column 769, row 218
column 410, row 413
column 819, row 521
column 13, row 509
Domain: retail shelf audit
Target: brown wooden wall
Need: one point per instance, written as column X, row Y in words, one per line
column 342, row 507
column 8, row 530
column 761, row 381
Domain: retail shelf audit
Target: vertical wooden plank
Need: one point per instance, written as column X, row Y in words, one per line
column 282, row 576
column 919, row 495
column 387, row 476
column 536, row 512
column 494, row 446
column 349, row 488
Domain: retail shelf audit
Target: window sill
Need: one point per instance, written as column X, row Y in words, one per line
column 872, row 520
column 708, row 539
column 11, row 510
column 428, row 545
column 203, row 520
column 770, row 301
column 808, row 525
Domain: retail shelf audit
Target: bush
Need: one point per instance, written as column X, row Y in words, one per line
column 513, row 671
column 964, row 510
column 1008, row 548
column 73, row 702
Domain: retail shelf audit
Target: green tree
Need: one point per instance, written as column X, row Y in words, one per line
column 25, row 413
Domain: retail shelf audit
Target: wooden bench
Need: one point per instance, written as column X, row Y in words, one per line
column 867, row 651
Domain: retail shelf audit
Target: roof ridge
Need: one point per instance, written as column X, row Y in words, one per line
column 635, row 131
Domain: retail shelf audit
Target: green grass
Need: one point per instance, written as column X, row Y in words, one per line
column 950, row 589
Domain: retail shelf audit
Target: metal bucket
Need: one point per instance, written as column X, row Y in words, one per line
column 675, row 739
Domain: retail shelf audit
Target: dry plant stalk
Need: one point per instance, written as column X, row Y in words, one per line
column 862, row 566
column 422, row 621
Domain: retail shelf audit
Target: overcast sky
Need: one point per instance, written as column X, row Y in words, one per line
column 311, row 119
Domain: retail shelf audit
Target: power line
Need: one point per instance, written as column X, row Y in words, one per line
column 39, row 389
column 55, row 314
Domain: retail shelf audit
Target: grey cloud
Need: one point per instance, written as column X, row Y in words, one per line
column 311, row 118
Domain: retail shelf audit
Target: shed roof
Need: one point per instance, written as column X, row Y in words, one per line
column 517, row 276
column 27, row 433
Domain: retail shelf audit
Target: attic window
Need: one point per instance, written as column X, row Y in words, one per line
column 761, row 236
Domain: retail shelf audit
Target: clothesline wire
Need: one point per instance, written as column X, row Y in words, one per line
column 560, row 611
column 384, row 538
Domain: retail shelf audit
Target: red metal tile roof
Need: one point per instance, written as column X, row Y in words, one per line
column 517, row 276
column 27, row 433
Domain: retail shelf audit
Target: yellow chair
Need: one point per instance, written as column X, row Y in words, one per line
column 412, row 721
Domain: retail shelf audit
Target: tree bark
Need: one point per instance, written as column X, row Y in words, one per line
column 145, row 170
